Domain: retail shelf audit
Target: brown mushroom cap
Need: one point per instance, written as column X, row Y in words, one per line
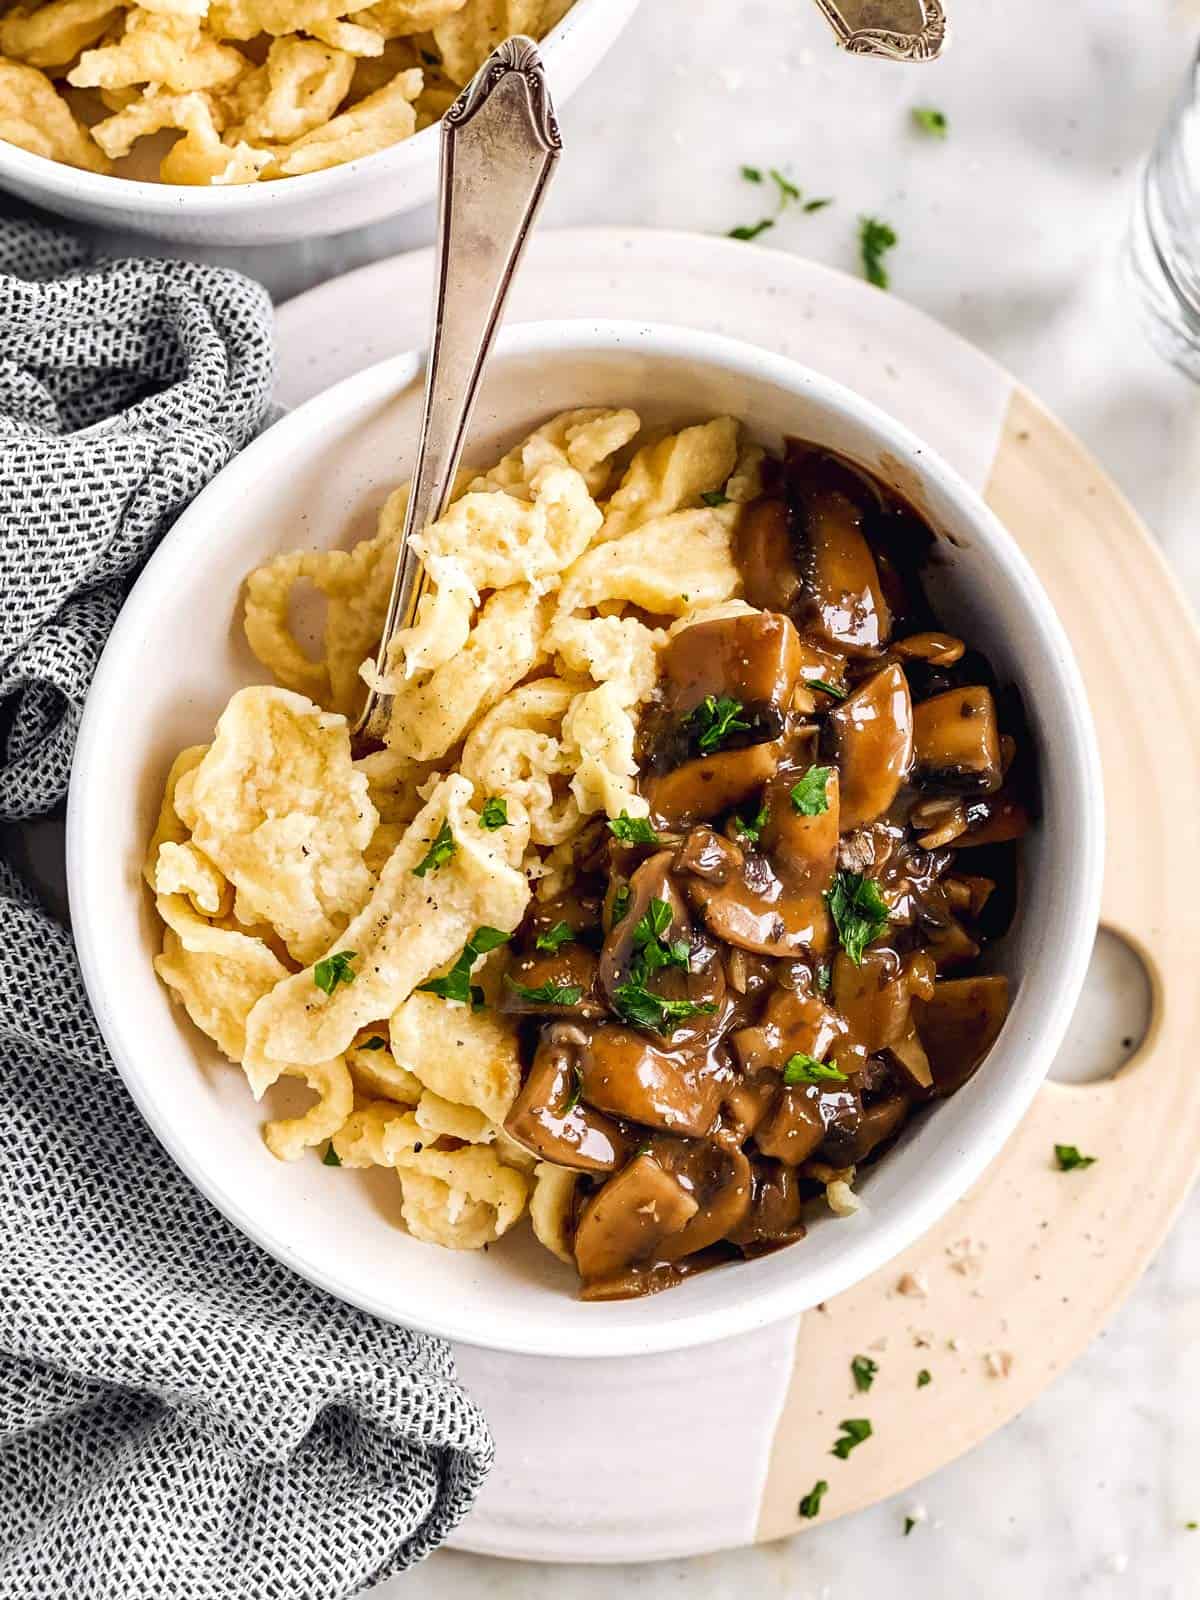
column 956, row 739
column 548, row 1117
column 627, row 1221
column 959, row 1024
column 675, row 1090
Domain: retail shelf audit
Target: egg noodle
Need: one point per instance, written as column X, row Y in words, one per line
column 341, row 920
column 251, row 89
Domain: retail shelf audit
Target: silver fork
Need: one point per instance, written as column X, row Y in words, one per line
column 500, row 146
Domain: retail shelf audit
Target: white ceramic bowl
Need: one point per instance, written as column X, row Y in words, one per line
column 386, row 184
column 317, row 478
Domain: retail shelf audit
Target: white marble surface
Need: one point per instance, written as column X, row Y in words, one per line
column 1010, row 232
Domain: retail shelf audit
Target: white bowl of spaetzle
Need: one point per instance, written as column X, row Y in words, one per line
column 255, row 121
column 298, row 951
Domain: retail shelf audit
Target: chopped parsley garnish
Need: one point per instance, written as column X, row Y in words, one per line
column 807, row 1069
column 632, row 1000
column 824, row 977
column 335, row 969
column 752, row 230
column 620, row 903
column 818, row 205
column 1191, row 1526
column 751, row 827
column 810, row 796
column 439, row 852
column 717, row 720
column 865, row 1371
column 859, row 911
column 752, row 174
column 854, row 1431
column 456, row 984
column 554, row 938
column 373, row 1043
column 632, row 830
column 825, row 688
column 1069, row 1158
column 787, row 189
column 909, row 1524
column 574, row 1093
column 930, row 120
column 924, row 1378
column 494, row 814
column 875, row 239
column 547, row 994
column 331, row 1157
column 810, row 1506
column 714, row 497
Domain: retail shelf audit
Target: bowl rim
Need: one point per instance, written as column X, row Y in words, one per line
column 1079, row 754
column 106, row 190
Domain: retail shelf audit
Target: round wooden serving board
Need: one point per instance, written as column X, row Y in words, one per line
column 679, row 1454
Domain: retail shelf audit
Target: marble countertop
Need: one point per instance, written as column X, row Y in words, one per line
column 1010, row 232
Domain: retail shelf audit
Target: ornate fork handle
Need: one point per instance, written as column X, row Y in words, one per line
column 899, row 30
column 500, row 145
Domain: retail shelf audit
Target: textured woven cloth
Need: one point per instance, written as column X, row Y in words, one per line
column 181, row 1418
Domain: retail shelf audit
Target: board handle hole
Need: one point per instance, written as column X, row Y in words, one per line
column 1112, row 1017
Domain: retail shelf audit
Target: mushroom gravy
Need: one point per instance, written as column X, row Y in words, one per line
column 744, row 998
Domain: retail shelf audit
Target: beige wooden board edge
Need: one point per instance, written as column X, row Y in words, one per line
column 1027, row 1268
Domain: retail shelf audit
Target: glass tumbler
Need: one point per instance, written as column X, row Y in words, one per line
column 1164, row 242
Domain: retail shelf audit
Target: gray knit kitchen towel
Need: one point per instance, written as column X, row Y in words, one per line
column 181, row 1418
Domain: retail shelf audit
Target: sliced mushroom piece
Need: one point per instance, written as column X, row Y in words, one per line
column 794, row 1023
column 776, row 1205
column 959, row 1025
column 802, row 848
column 853, row 1141
column 745, row 1104
column 872, row 734
column 533, row 979
column 678, row 1091
column 753, row 658
column 717, row 1176
column 626, row 1222
column 843, row 601
column 909, row 1054
column 996, row 820
column 548, row 1118
column 708, row 785
column 651, row 881
column 873, row 998
column 956, row 740
column 808, row 1118
column 765, row 557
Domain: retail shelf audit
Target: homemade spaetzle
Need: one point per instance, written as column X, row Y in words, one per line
column 342, row 920
column 255, row 89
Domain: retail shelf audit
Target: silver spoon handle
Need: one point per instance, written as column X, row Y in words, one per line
column 500, row 145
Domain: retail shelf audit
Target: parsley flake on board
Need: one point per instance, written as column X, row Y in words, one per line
column 632, row 830
column 854, row 1431
column 875, row 239
column 752, row 827
column 1069, row 1158
column 810, row 1506
column 714, row 497
column 335, row 969
column 859, row 911
column 924, row 1378
column 810, row 796
column 439, row 852
column 830, row 689
column 373, row 1043
column 554, row 938
column 909, row 1524
column 752, row 230
column 787, row 189
column 331, row 1157
column 865, row 1372
column 547, row 994
column 931, row 121
column 752, row 174
column 807, row 1069
column 494, row 814
column 456, row 984
column 818, row 205
column 717, row 721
